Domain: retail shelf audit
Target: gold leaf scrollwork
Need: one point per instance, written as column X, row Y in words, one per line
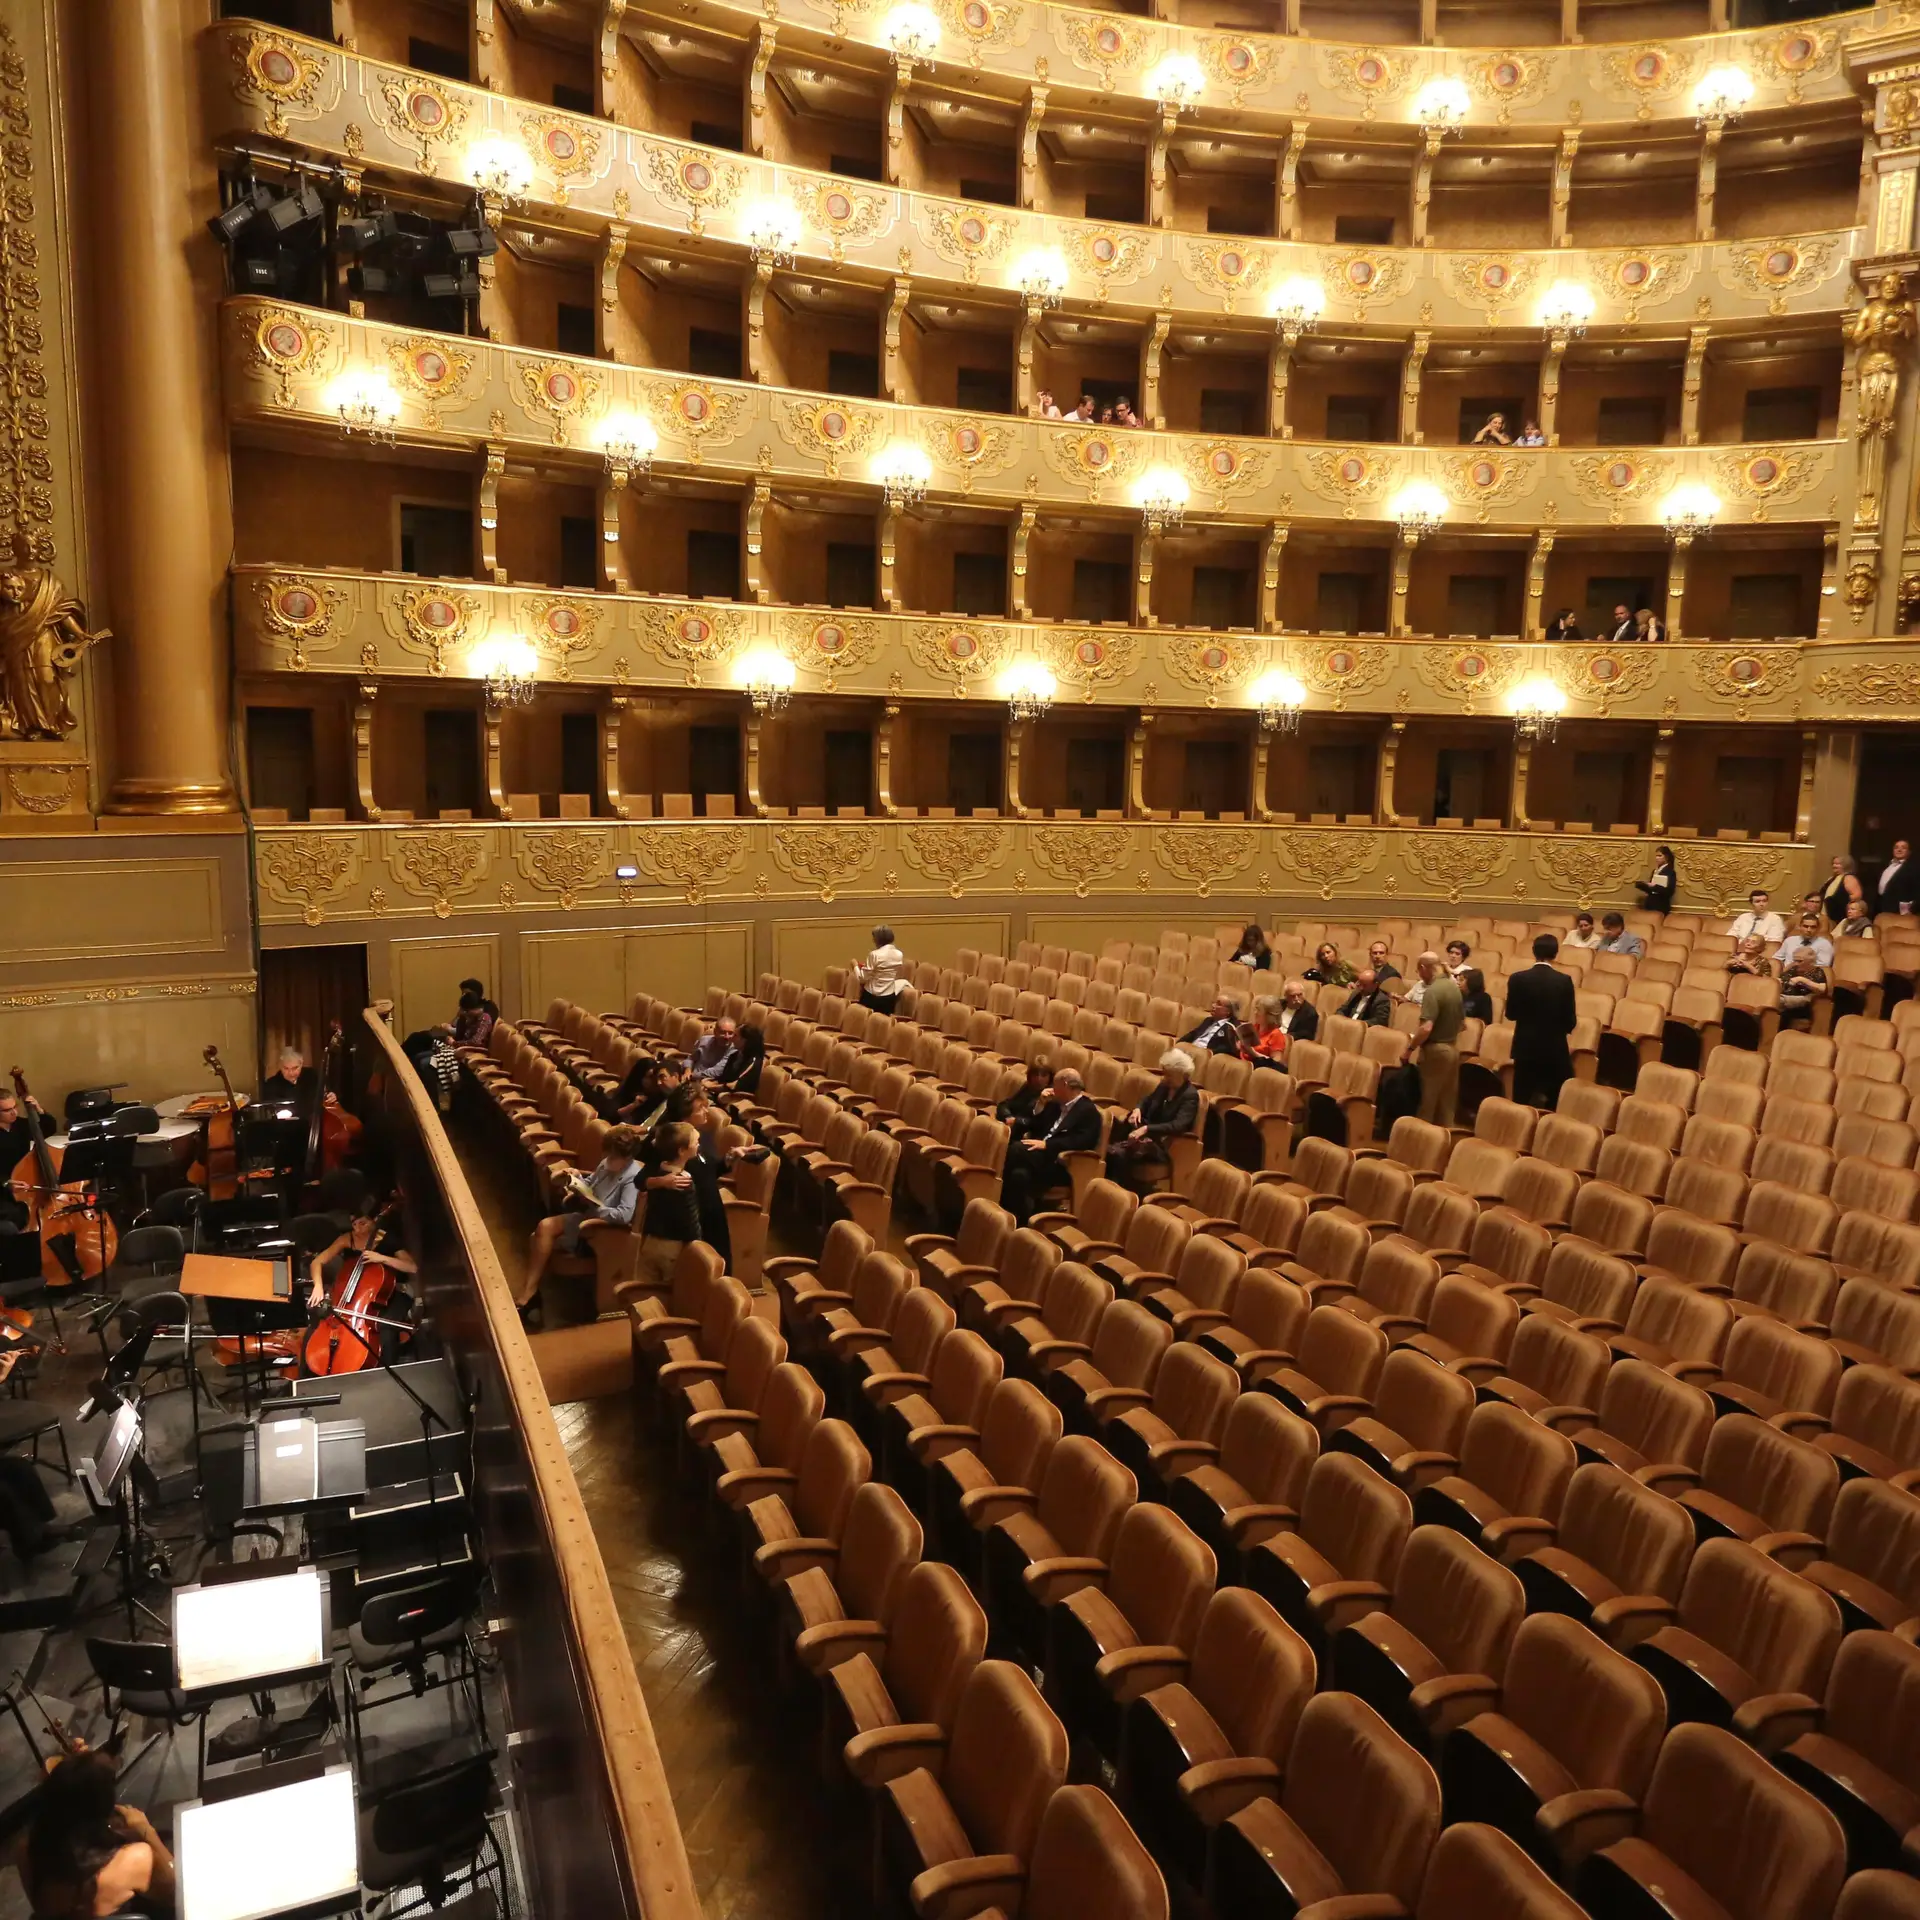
column 569, row 147
column 690, row 638
column 1080, row 855
column 565, row 863
column 432, row 369
column 963, row 654
column 841, row 212
column 1091, row 658
column 1589, row 870
column 967, row 237
column 1726, row 874
column 698, row 181
column 1205, row 856
column 1098, row 43
column 1236, row 61
column 837, row 644
column 1225, row 468
column 1746, row 675
column 281, row 72
column 1343, row 671
column 1485, row 479
column 300, row 611
column 694, row 859
column 1453, row 862
column 1510, row 79
column 826, row 857
column 439, row 867
column 557, row 394
column 1371, row 75
column 1114, row 256
column 433, row 620
column 1095, row 457
column 1605, row 674
column 956, row 851
column 1870, row 683
column 41, row 789
column 285, row 344
column 564, row 629
column 698, row 413
column 1229, row 268
column 1331, row 859
column 27, row 499
column 1772, row 270
column 422, row 112
column 1213, row 663
column 1469, row 673
column 974, row 446
column 829, row 430
column 306, row 870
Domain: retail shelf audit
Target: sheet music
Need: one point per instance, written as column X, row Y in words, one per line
column 267, row 1853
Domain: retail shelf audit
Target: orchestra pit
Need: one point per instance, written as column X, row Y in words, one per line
column 961, row 960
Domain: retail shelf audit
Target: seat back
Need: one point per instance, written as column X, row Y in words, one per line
column 1461, row 1604
column 1087, row 1859
column 1357, row 1520
column 1788, row 1483
column 1662, row 1419
column 1341, row 1353
column 1084, row 1496
column 1192, row 1392
column 753, row 1354
column 1473, row 1321
column 1162, row 1576
column 1477, row 1873
column 1874, row 1531
column 922, row 1322
column 1783, row 1630
column 1017, row 1438
column 965, row 1372
column 1398, row 1279
column 1426, row 1405
column 880, row 1284
column 881, row 1546
column 1128, row 1344
column 1641, row 1540
column 834, row 1466
column 939, row 1636
column 1075, row 1299
column 1268, row 1449
column 789, row 1411
column 1523, row 1465
column 1795, row 1369
column 1251, row 1672
column 1682, row 1322
column 1557, row 1361
column 1363, row 1797
column 1006, row 1759
column 1600, row 1715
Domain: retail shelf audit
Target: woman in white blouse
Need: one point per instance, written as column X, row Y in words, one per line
column 882, row 974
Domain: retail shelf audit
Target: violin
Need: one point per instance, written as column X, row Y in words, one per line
column 218, row 1168
column 78, row 1240
column 347, row 1339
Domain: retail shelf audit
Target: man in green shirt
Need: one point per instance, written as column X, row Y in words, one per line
column 1436, row 1041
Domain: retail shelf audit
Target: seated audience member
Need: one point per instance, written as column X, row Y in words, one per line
column 1648, row 627
column 1759, row 918
column 1752, row 959
column 713, row 1052
column 742, row 1072
column 1531, row 436
column 478, row 989
column 1293, row 1016
column 1623, row 626
column 1808, row 934
column 1458, row 953
column 642, row 1096
column 1369, row 1001
column 1377, row 959
column 1328, row 969
column 1583, row 934
column 1139, row 1157
column 610, row 1195
column 1858, row 924
column 1069, row 1122
column 1803, row 981
column 1476, row 1003
column 1019, row 1107
column 1614, row 937
column 1253, row 950
column 1494, row 433
column 1219, row 1032
column 1563, row 626
column 473, row 1023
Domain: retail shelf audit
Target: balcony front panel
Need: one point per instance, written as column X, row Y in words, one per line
column 309, row 876
column 590, row 174
column 284, row 364
column 310, row 621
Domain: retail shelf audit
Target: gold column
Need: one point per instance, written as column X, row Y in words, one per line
column 1019, row 733
column 1569, row 22
column 887, row 535
column 1137, row 767
column 487, row 519
column 1708, row 180
column 1402, row 568
column 607, row 79
column 1286, row 337
column 613, row 250
column 1030, row 122
column 1677, row 583
column 1150, row 361
column 1017, row 607
column 754, row 312
column 891, row 380
column 1273, row 551
column 1159, row 144
column 1411, row 369
column 613, row 711
column 1024, row 342
column 1262, row 758
column 1383, row 803
column 1146, row 546
column 1537, row 583
column 883, row 761
column 1286, row 222
column 163, row 434
column 766, row 32
column 613, row 565
column 756, row 805
column 1657, row 781
column 1690, row 384
column 1522, row 765
column 754, row 510
column 1423, row 185
column 1560, row 231
column 363, row 750
column 491, row 718
column 1557, row 339
column 1803, row 802
column 895, row 123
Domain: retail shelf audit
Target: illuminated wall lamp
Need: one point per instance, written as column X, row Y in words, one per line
column 1537, row 706
column 1298, row 303
column 1162, row 497
column 1029, row 689
column 500, row 171
column 1177, row 82
column 1441, row 106
column 1689, row 511
column 1722, row 95
column 773, row 234
column 912, row 32
column 767, row 678
column 510, row 666
column 1041, row 274
column 366, row 403
column 1279, row 696
column 902, row 471
column 1568, row 308
column 1421, row 510
column 628, row 444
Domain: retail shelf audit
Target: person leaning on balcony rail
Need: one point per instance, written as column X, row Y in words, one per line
column 1563, row 626
column 1531, row 436
column 1648, row 627
column 1494, row 433
column 882, row 974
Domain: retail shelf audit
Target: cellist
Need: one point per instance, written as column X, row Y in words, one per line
column 367, row 1242
column 16, row 1142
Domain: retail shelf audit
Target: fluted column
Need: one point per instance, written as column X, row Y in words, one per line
column 163, row 434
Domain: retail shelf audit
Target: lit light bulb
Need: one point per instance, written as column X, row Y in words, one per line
column 1420, row 507
column 903, row 470
column 1178, row 81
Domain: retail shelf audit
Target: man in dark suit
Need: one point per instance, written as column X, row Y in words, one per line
column 1068, row 1123
column 1623, row 627
column 1219, row 1032
column 1541, row 1007
column 1898, row 888
column 292, row 1084
column 1369, row 1001
column 1299, row 1017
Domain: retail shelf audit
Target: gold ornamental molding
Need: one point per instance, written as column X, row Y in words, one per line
column 657, row 190
column 331, row 877
column 742, row 432
column 352, row 627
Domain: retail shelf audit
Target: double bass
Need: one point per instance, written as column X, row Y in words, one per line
column 218, row 1168
column 78, row 1240
column 346, row 1339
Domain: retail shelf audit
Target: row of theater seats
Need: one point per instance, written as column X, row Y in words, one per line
column 1305, row 1646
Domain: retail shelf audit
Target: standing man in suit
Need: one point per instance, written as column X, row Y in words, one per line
column 1068, row 1123
column 1541, row 1007
column 1899, row 885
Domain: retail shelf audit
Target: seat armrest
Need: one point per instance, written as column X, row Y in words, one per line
column 787, row 1263
column 1176, row 1457
column 1794, row 1551
column 716, row 1423
column 1770, row 1721
column 1696, row 1373
column 983, row 1506
column 1568, row 1420
column 1586, row 1820
column 847, row 1341
column 1628, row 1618
column 885, row 1753
column 839, row 1640
column 818, row 1300
column 921, row 1244
column 1354, row 1906
column 1104, row 1402
column 1055, row 1578
column 1669, row 1477
column 1802, row 1424
column 884, row 1388
column 1452, row 1699
column 957, row 1888
column 1515, row 1535
column 1341, row 1602
column 1216, row 1789
column 782, row 1559
column 1241, row 1521
column 936, row 1442
column 754, row 1483
column 1128, row 1672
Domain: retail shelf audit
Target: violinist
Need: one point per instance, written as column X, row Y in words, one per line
column 85, row 1855
column 16, row 1142
column 367, row 1242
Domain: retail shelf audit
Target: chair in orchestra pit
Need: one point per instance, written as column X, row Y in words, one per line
column 434, row 1832
column 399, row 1635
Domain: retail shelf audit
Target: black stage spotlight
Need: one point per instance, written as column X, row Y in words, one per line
column 296, row 208
column 356, row 236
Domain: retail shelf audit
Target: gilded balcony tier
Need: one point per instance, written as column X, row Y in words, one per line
column 590, row 175
column 310, row 876
column 1084, row 56
column 285, row 366
column 313, row 622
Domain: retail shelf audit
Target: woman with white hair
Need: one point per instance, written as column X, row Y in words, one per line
column 882, row 974
column 1139, row 1155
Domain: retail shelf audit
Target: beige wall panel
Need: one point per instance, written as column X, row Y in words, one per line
column 1091, row 931
column 426, row 976
column 152, row 1042
column 679, row 964
column 588, row 968
column 804, row 949
column 104, row 909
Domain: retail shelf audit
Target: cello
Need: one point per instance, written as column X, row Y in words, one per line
column 346, row 1338
column 78, row 1240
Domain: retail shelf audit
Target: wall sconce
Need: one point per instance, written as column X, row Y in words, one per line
column 902, row 470
column 912, row 31
column 1177, row 82
column 773, row 233
column 1298, row 303
column 510, row 666
column 1041, row 274
column 1690, row 511
column 767, row 677
column 628, row 443
column 1279, row 697
column 1162, row 497
column 1421, row 509
column 501, row 173
column 366, row 403
column 1537, row 705
column 1567, row 308
column 1721, row 96
column 1028, row 689
column 1441, row 106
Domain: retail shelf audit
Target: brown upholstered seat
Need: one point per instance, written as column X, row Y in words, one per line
column 1763, row 1486
column 1263, row 1325
column 724, row 1404
column 1413, row 1432
column 1879, row 1894
column 920, row 1427
column 1649, row 1423
column 1061, row 1327
column 843, row 1602
column 948, row 1264
column 1875, row 1427
column 1477, row 1873
column 1252, row 1489
column 1179, row 1428
column 802, row 1527
column 1358, row 1815
column 1088, row 1860
column 1563, row 1759
column 1553, row 1370
column 823, row 1282
column 875, row 1377
column 1336, row 1372
column 754, row 1454
column 1770, row 1851
column 1512, row 1476
column 1128, row 1346
column 1870, row 1561
column 972, row 1487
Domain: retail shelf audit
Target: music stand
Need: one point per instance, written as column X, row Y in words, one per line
column 292, row 1849
column 112, row 1482
column 104, row 1165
